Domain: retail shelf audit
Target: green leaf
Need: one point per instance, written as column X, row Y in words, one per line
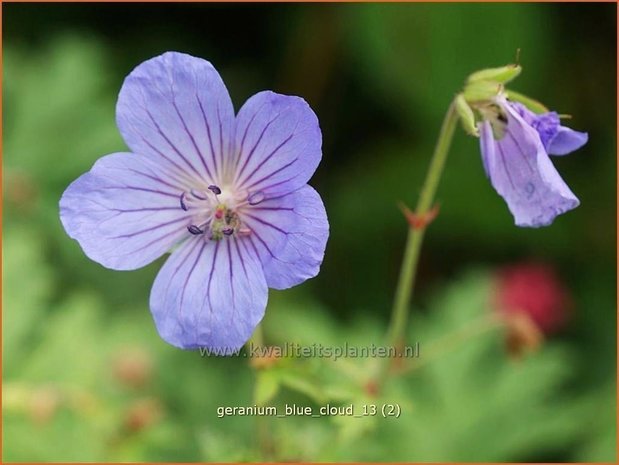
column 470, row 393
column 266, row 387
column 300, row 383
column 27, row 286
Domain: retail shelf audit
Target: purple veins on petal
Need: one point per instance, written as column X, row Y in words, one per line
column 165, row 106
column 255, row 198
column 121, row 213
column 198, row 195
column 279, row 141
column 266, row 226
column 289, row 233
column 209, row 295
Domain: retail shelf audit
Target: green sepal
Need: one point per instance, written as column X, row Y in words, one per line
column 467, row 117
column 531, row 104
column 481, row 91
column 499, row 75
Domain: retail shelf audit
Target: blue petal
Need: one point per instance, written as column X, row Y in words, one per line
column 124, row 212
column 486, row 141
column 557, row 139
column 290, row 235
column 176, row 109
column 546, row 124
column 209, row 294
column 566, row 140
column 522, row 173
column 278, row 141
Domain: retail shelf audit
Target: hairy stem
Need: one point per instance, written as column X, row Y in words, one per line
column 408, row 270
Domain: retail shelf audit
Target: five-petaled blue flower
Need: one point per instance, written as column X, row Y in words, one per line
column 515, row 144
column 227, row 194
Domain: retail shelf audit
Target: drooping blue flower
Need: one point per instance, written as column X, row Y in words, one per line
column 515, row 147
column 557, row 139
column 227, row 194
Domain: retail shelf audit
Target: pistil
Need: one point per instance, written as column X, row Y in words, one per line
column 214, row 213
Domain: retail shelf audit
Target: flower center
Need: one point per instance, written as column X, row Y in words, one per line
column 215, row 212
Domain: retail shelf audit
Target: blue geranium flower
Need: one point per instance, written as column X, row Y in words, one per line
column 227, row 193
column 515, row 146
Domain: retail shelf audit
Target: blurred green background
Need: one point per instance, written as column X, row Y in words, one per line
column 86, row 377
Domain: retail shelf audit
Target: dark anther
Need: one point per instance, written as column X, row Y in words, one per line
column 193, row 229
column 227, row 231
column 183, row 206
column 214, row 189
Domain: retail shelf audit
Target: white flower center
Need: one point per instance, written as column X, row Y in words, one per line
column 216, row 212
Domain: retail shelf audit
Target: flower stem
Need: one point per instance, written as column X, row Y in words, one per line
column 406, row 282
column 263, row 436
column 455, row 339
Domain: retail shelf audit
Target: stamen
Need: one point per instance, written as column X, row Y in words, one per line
column 255, row 198
column 182, row 199
column 227, row 230
column 244, row 232
column 214, row 189
column 193, row 229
